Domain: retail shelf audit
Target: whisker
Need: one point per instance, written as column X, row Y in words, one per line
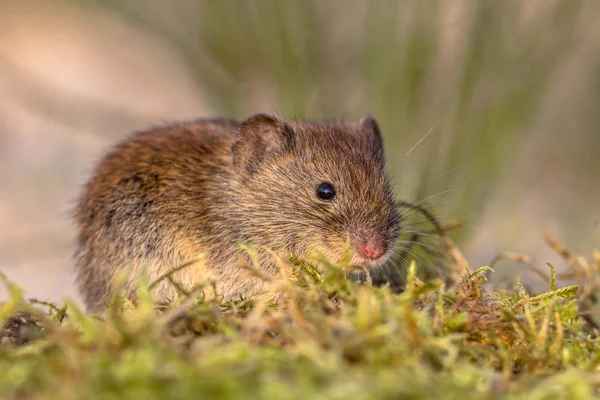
column 427, row 264
column 433, row 250
column 426, row 234
column 417, row 256
column 423, row 138
column 434, row 196
column 444, row 174
column 418, row 224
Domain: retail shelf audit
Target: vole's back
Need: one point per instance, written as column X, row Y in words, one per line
column 148, row 204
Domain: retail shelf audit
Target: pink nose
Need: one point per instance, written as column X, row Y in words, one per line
column 372, row 248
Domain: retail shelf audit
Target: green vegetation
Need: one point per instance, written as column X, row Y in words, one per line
column 323, row 337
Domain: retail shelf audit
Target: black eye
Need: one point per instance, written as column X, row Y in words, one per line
column 326, row 191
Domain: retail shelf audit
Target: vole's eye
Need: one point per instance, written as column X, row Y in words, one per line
column 326, row 191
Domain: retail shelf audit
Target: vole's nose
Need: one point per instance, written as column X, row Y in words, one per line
column 371, row 248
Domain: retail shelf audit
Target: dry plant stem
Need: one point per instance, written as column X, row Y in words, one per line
column 582, row 269
column 395, row 279
column 588, row 278
column 180, row 289
column 184, row 307
column 561, row 250
column 460, row 262
column 167, row 275
column 44, row 303
column 428, row 215
column 253, row 270
column 521, row 258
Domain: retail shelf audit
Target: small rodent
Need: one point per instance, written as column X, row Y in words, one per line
column 163, row 196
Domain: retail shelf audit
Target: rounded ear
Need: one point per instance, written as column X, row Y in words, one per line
column 370, row 128
column 257, row 137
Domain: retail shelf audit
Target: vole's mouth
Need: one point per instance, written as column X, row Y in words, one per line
column 333, row 253
column 360, row 262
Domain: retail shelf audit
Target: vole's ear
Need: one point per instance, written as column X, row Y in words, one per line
column 370, row 128
column 257, row 137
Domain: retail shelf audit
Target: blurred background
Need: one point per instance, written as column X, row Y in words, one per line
column 490, row 109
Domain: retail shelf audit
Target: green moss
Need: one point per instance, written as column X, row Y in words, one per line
column 325, row 337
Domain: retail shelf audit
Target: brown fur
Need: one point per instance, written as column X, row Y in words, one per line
column 163, row 196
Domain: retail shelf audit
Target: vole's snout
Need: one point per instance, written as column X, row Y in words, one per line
column 372, row 248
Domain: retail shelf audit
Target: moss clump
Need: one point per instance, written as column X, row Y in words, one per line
column 327, row 337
